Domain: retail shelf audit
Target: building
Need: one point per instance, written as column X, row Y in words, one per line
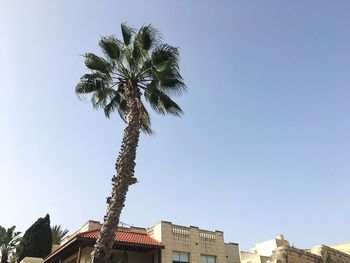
column 132, row 245
column 164, row 242
column 343, row 247
column 261, row 252
column 279, row 250
column 191, row 244
column 248, row 257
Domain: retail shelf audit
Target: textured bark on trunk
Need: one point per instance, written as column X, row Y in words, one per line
column 125, row 165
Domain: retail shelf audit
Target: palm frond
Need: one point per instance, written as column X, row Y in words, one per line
column 165, row 62
column 9, row 239
column 102, row 97
column 127, row 33
column 171, row 82
column 97, row 75
column 95, row 62
column 147, row 37
column 146, row 127
column 160, row 102
column 145, row 120
column 128, row 58
column 165, row 52
column 96, row 85
column 136, row 58
column 58, row 234
column 90, row 83
column 117, row 103
column 111, row 47
column 162, row 66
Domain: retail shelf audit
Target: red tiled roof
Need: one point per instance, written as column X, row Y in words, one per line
column 125, row 237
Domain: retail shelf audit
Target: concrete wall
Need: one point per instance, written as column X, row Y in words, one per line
column 194, row 241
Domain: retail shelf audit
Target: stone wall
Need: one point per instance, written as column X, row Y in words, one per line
column 344, row 247
column 195, row 242
column 318, row 254
column 280, row 251
column 336, row 255
column 287, row 254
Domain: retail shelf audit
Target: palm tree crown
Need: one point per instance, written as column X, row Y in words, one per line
column 58, row 234
column 141, row 62
column 9, row 239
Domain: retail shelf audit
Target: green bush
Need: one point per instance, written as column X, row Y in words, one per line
column 37, row 240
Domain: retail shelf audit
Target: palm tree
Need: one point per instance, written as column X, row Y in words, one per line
column 9, row 239
column 58, row 234
column 139, row 67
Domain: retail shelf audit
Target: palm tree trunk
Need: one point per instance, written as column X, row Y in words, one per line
column 125, row 165
column 4, row 255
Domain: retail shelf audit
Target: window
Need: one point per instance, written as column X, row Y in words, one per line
column 180, row 257
column 207, row 259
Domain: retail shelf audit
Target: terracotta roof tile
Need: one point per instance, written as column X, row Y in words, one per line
column 126, row 237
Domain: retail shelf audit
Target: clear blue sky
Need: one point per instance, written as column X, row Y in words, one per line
column 263, row 148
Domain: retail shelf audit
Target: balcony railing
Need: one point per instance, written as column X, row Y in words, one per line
column 207, row 236
column 180, row 231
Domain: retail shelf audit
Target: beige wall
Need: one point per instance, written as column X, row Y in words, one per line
column 267, row 247
column 249, row 257
column 194, row 241
column 85, row 255
column 232, row 253
column 287, row 254
column 32, row 260
column 336, row 255
column 87, row 226
column 344, row 247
